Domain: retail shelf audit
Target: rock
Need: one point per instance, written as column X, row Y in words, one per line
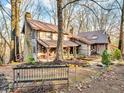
column 122, row 86
column 84, row 87
column 79, row 89
column 91, row 77
column 100, row 65
column 89, row 86
column 80, row 84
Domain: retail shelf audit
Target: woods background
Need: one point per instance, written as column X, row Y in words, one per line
column 82, row 15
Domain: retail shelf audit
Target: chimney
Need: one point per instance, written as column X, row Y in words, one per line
column 28, row 15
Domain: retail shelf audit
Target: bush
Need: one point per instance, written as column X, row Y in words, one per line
column 106, row 58
column 30, row 59
column 116, row 54
column 1, row 62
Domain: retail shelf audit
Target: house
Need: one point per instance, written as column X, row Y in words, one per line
column 41, row 41
column 99, row 40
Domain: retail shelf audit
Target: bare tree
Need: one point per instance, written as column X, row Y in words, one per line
column 121, row 37
column 59, row 50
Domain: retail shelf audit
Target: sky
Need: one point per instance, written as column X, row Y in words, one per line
column 44, row 2
column 4, row 2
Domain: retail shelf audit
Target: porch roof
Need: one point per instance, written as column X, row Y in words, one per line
column 53, row 43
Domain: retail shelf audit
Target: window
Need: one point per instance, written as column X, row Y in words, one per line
column 48, row 36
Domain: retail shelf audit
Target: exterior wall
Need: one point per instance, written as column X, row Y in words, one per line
column 44, row 35
column 84, row 49
column 101, row 48
column 54, row 36
column 49, row 36
column 66, row 37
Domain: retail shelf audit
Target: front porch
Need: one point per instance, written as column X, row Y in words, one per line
column 46, row 50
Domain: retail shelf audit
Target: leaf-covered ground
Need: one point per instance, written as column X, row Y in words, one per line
column 109, row 82
column 89, row 79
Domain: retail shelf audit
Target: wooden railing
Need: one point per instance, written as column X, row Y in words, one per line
column 40, row 73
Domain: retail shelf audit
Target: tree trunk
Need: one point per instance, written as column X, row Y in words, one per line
column 14, row 30
column 59, row 50
column 12, row 51
column 17, row 27
column 121, row 41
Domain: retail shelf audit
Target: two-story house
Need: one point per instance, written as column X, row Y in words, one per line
column 41, row 41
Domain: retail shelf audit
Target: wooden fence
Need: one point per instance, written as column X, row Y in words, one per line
column 40, row 73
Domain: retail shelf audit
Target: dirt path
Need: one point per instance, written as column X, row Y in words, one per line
column 109, row 82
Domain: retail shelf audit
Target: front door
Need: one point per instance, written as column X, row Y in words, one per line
column 93, row 49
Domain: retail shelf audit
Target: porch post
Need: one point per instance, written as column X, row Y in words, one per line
column 48, row 54
column 68, row 52
column 74, row 51
column 88, row 50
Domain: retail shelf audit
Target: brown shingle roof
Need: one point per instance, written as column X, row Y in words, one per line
column 81, row 39
column 38, row 25
column 99, row 37
column 53, row 43
column 42, row 26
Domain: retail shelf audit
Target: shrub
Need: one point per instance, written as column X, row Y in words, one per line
column 116, row 54
column 30, row 59
column 1, row 62
column 106, row 58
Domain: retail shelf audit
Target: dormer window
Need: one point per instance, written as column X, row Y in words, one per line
column 94, row 37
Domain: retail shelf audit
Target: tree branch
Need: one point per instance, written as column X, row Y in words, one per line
column 4, row 10
column 70, row 3
column 118, row 4
column 100, row 5
column 90, row 10
column 4, row 39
